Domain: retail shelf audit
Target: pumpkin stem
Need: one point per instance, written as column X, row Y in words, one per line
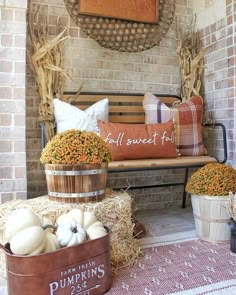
column 49, row 226
column 74, row 230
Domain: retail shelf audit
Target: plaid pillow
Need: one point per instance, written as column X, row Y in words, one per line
column 188, row 119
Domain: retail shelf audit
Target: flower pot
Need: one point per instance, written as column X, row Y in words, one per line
column 211, row 218
column 76, row 183
column 232, row 226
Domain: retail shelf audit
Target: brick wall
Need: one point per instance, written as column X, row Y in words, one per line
column 219, row 79
column 12, row 99
column 100, row 69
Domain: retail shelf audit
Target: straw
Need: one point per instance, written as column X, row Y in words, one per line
column 114, row 211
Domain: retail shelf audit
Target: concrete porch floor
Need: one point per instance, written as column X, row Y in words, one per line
column 166, row 224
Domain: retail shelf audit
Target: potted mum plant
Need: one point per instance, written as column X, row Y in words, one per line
column 209, row 187
column 76, row 166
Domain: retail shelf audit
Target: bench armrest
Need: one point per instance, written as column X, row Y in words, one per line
column 42, row 135
column 224, row 139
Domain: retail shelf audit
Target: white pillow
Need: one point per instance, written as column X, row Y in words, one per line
column 70, row 117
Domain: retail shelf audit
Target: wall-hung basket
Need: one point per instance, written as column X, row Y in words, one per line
column 124, row 35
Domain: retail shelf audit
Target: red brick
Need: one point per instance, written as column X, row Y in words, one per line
column 229, row 10
column 19, row 41
column 21, row 196
column 19, row 93
column 13, row 54
column 6, row 172
column 12, row 159
column 12, row 106
column 6, row 14
column 20, row 172
column 6, row 66
column 5, row 146
column 229, row 20
column 20, row 16
column 52, row 19
column 5, row 119
column 19, row 120
column 73, row 32
column 229, row 41
column 6, row 197
column 5, row 93
column 16, row 3
column 7, row 40
column 19, row 146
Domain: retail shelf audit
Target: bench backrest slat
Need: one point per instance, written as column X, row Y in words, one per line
column 123, row 108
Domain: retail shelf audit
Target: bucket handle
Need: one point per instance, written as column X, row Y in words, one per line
column 6, row 248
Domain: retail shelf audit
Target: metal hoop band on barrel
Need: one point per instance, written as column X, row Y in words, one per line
column 75, row 172
column 76, row 195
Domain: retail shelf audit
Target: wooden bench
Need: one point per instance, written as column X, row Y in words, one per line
column 128, row 108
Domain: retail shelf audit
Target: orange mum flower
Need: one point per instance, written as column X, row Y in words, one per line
column 213, row 179
column 76, row 147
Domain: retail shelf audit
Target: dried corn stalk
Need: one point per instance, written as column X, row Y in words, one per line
column 46, row 59
column 190, row 58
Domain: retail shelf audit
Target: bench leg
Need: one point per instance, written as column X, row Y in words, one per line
column 184, row 193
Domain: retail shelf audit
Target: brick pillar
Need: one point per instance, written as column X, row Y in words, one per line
column 12, row 99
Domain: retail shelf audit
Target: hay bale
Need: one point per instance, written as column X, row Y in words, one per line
column 114, row 211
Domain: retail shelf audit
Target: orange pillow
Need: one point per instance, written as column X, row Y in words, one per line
column 139, row 141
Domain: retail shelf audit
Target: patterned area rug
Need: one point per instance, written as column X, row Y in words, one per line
column 186, row 268
column 178, row 264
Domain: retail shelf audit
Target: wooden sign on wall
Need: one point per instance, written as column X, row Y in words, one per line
column 134, row 10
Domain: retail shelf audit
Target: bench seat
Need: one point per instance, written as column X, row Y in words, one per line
column 185, row 162
column 152, row 164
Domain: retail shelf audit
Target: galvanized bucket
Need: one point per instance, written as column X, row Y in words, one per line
column 76, row 183
column 78, row 270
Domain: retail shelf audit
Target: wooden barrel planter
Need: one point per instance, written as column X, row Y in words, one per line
column 76, row 183
column 211, row 218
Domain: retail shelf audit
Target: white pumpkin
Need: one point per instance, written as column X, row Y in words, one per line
column 89, row 219
column 29, row 241
column 20, row 219
column 26, row 235
column 52, row 243
column 78, row 215
column 96, row 230
column 70, row 233
column 86, row 219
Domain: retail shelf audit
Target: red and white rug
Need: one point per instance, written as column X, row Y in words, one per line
column 192, row 267
column 178, row 264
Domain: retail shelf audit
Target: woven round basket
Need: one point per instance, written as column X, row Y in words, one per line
column 124, row 35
